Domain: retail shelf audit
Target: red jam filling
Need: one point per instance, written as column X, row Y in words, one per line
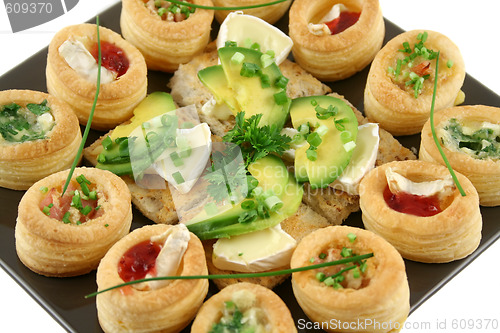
column 344, row 21
column 412, row 204
column 138, row 261
column 112, row 57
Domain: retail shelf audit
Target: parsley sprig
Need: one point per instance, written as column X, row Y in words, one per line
column 254, row 141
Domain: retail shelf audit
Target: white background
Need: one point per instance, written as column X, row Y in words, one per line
column 473, row 25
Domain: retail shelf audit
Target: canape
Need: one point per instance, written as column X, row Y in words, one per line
column 155, row 306
column 68, row 234
column 270, row 14
column 400, row 82
column 416, row 207
column 166, row 34
column 72, row 72
column 39, row 135
column 250, row 305
column 339, row 298
column 469, row 136
column 339, row 44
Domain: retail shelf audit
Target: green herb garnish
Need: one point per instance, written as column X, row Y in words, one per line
column 434, row 135
column 242, row 275
column 227, row 8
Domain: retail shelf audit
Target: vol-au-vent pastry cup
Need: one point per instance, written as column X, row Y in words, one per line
column 335, row 57
column 484, row 173
column 117, row 99
column 449, row 235
column 167, row 309
column 165, row 44
column 25, row 162
column 266, row 308
column 270, row 14
column 382, row 295
column 52, row 247
column 393, row 105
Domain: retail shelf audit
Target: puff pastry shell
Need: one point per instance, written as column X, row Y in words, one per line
column 278, row 316
column 483, row 173
column 396, row 109
column 117, row 99
column 384, row 300
column 449, row 235
column 166, row 44
column 167, row 309
column 336, row 57
column 50, row 247
column 270, row 14
column 22, row 164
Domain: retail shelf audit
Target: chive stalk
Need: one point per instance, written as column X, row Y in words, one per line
column 226, row 8
column 91, row 114
column 239, row 276
column 434, row 136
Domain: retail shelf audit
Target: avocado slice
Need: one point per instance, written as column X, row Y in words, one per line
column 271, row 173
column 155, row 104
column 334, row 153
column 248, row 92
column 214, row 79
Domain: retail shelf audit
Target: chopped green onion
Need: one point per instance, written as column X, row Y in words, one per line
column 329, row 281
column 281, row 97
column 266, row 60
column 187, row 125
column 106, row 225
column 351, row 237
column 237, row 58
column 248, row 205
column 46, row 210
column 107, row 143
column 176, row 159
column 273, row 203
column 346, row 252
column 178, row 177
column 449, row 63
column 312, row 155
column 314, row 139
column 345, row 136
column 85, row 189
column 322, row 130
column 44, row 189
column 349, row 146
column 65, row 218
column 322, row 255
column 249, row 69
column 247, row 216
column 86, row 210
column 93, row 195
column 265, row 81
column 270, row 53
column 255, row 46
column 281, row 82
column 356, row 273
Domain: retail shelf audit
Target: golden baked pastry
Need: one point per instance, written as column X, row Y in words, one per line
column 375, row 291
column 259, row 306
column 332, row 57
column 48, row 145
column 441, row 227
column 126, row 83
column 56, row 239
column 471, row 146
column 399, row 89
column 164, row 42
column 168, row 307
column 270, row 14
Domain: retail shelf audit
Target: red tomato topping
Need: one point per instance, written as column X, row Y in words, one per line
column 138, row 261
column 412, row 204
column 344, row 21
column 112, row 57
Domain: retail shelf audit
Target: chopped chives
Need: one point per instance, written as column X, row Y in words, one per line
column 237, row 58
column 281, row 97
column 86, row 210
column 449, row 63
column 65, row 218
column 322, row 255
column 265, row 81
column 281, row 82
column 346, row 252
column 266, row 60
column 107, row 143
column 248, row 204
column 351, row 237
column 46, row 210
column 44, row 189
column 178, row 177
column 249, row 69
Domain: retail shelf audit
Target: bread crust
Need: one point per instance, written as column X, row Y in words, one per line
column 483, row 173
column 166, row 44
column 336, row 57
column 117, row 99
column 385, row 299
column 52, row 248
column 279, row 318
column 450, row 235
column 167, row 309
column 22, row 164
column 396, row 109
